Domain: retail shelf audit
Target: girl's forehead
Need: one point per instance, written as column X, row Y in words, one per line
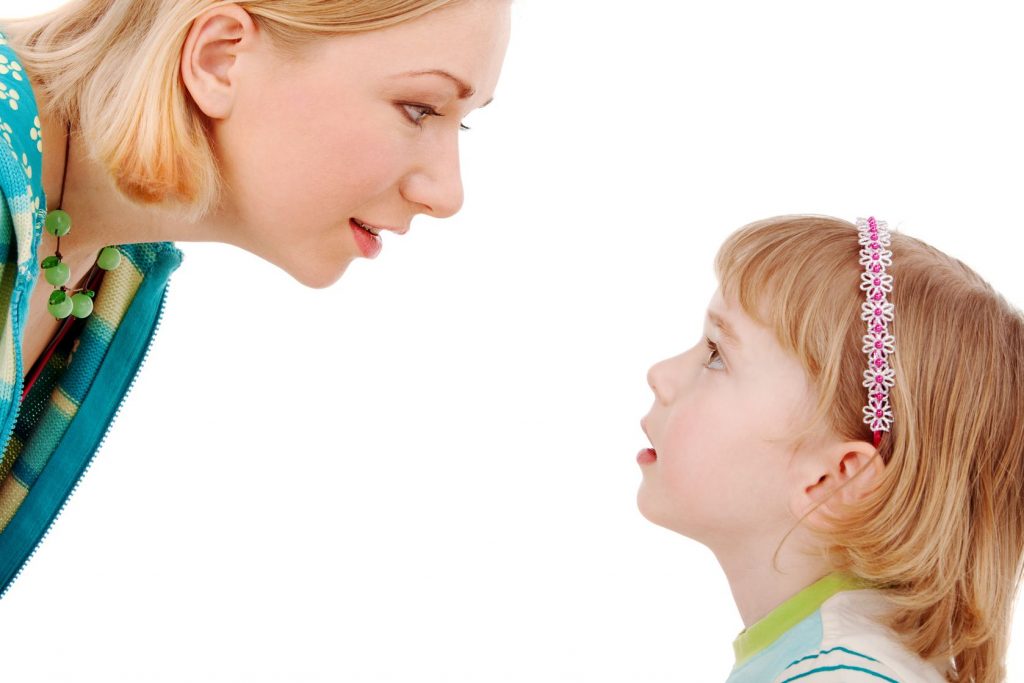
column 731, row 320
column 751, row 341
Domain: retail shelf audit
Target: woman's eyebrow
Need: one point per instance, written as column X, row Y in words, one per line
column 465, row 89
column 728, row 333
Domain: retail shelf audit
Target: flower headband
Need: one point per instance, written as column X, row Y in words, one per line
column 877, row 312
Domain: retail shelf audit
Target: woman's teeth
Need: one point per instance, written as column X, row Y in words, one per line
column 368, row 228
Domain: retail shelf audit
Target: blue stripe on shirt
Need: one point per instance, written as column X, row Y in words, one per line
column 841, row 667
column 825, row 652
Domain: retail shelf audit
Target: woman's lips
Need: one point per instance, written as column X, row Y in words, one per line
column 369, row 244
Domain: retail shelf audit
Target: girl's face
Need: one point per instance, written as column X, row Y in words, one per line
column 364, row 128
column 720, row 427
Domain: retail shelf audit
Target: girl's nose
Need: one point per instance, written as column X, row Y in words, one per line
column 658, row 378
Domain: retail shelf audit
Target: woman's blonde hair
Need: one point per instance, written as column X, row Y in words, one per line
column 111, row 68
column 943, row 531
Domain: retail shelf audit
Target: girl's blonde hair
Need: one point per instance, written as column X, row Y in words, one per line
column 111, row 68
column 943, row 532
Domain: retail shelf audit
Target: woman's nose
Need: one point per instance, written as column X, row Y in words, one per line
column 437, row 184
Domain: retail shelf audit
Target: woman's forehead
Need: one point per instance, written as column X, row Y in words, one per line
column 463, row 44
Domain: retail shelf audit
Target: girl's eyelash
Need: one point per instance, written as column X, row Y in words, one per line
column 425, row 111
column 712, row 348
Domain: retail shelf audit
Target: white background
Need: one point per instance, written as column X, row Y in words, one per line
column 426, row 472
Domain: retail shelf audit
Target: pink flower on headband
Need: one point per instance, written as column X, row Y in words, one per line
column 877, row 313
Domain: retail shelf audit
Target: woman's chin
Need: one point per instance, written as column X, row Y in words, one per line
column 316, row 275
column 321, row 279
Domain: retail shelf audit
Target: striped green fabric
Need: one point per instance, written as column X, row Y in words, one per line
column 790, row 613
column 832, row 631
column 49, row 438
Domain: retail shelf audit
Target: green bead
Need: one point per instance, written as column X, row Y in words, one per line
column 58, row 223
column 110, row 258
column 62, row 308
column 58, row 275
column 82, row 305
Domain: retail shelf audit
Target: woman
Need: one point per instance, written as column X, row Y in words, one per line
column 298, row 130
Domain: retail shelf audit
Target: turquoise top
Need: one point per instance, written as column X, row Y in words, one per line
column 49, row 439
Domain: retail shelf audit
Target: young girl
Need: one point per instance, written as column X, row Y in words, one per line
column 849, row 441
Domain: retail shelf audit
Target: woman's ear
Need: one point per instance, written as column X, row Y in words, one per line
column 834, row 476
column 210, row 52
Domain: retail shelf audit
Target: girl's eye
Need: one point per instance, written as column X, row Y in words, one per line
column 714, row 361
column 418, row 112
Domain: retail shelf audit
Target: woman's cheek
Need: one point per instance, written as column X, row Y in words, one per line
column 370, row 164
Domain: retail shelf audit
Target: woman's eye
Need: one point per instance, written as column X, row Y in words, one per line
column 714, row 361
column 418, row 112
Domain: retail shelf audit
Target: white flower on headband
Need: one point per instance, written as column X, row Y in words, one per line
column 875, row 257
column 881, row 378
column 881, row 235
column 881, row 343
column 873, row 283
column 878, row 416
column 871, row 311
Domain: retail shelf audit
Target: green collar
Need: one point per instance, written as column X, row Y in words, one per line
column 790, row 613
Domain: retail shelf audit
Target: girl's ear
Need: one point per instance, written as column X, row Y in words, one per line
column 833, row 476
column 215, row 40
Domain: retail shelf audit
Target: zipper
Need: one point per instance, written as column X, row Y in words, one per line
column 92, row 456
column 19, row 384
column 19, row 360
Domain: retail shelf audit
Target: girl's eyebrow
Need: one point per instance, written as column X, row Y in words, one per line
column 728, row 333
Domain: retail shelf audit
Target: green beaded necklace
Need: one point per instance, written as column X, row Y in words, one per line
column 73, row 302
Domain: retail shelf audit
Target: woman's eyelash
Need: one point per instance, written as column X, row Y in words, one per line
column 713, row 353
column 424, row 111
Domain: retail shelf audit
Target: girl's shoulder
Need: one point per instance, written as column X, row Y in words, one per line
column 857, row 646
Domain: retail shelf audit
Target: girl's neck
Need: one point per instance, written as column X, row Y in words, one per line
column 758, row 586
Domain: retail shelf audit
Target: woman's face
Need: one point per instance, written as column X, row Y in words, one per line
column 364, row 128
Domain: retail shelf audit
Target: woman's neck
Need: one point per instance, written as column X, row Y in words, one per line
column 101, row 215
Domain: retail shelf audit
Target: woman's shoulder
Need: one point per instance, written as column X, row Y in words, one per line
column 21, row 155
column 857, row 646
column 20, row 127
